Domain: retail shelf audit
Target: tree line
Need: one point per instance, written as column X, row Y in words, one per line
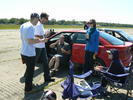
column 19, row 21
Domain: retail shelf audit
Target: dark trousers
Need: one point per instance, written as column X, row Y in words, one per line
column 89, row 61
column 41, row 57
column 30, row 65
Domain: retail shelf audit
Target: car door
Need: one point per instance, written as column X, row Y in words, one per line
column 78, row 47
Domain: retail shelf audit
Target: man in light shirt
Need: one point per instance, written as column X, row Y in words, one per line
column 41, row 54
column 28, row 50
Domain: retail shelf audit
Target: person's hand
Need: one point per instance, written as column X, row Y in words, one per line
column 37, row 38
column 62, row 50
column 98, row 68
column 94, row 56
column 87, row 36
column 46, row 40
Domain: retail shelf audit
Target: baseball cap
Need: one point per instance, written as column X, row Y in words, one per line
column 34, row 15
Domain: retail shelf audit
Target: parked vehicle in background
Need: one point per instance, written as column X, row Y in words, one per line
column 77, row 40
column 120, row 35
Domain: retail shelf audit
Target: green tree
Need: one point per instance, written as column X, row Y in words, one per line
column 61, row 22
column 14, row 21
column 22, row 20
column 52, row 22
column 4, row 21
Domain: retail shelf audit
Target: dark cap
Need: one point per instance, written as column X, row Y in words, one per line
column 92, row 21
column 34, row 15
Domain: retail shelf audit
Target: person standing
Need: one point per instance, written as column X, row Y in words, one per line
column 28, row 50
column 92, row 43
column 41, row 54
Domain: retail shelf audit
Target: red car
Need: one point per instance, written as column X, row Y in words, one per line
column 76, row 38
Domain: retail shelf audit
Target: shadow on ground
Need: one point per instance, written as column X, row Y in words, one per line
column 63, row 72
column 37, row 92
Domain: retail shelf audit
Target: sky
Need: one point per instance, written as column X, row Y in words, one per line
column 112, row 11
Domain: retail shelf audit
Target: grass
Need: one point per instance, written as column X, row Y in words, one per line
column 9, row 26
column 13, row 26
column 63, row 26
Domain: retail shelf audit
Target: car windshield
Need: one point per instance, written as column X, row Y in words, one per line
column 111, row 39
column 129, row 37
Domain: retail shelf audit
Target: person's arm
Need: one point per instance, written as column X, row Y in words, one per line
column 54, row 44
column 65, row 51
column 87, row 34
column 33, row 41
column 39, row 37
column 96, row 39
column 96, row 43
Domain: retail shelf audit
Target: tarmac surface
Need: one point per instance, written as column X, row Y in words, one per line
column 12, row 70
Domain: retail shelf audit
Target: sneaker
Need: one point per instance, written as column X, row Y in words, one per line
column 35, row 86
column 29, row 92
